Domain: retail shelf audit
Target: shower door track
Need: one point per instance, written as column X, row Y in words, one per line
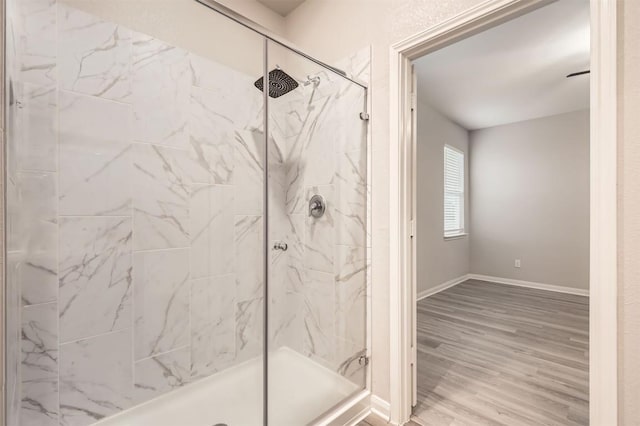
column 254, row 26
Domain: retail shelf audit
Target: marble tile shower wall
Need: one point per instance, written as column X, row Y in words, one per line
column 322, row 307
column 135, row 215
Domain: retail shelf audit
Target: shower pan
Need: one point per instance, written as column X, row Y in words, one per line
column 185, row 244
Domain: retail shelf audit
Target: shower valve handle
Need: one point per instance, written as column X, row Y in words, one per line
column 317, row 206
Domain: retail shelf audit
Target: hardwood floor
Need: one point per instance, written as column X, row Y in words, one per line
column 497, row 354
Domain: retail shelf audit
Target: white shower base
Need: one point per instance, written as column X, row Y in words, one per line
column 299, row 391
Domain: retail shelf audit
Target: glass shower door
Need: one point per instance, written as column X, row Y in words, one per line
column 317, row 228
column 135, row 238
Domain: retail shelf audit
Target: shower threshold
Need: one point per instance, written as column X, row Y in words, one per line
column 299, row 391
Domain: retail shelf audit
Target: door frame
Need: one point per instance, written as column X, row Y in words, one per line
column 603, row 339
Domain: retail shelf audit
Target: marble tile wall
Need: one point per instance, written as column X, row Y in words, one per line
column 321, row 308
column 135, row 217
column 135, row 229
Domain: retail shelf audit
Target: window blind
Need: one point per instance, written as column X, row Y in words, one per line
column 453, row 191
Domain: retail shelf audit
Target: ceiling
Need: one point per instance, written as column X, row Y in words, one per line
column 282, row 7
column 513, row 72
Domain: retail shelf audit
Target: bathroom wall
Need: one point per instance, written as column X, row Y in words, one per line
column 134, row 215
column 434, row 131
column 530, row 200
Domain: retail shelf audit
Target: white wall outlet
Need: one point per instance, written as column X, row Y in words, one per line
column 517, row 265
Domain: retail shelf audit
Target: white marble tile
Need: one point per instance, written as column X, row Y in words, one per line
column 249, row 329
column 351, row 291
column 295, row 237
column 237, row 100
column 160, row 92
column 37, row 128
column 14, row 224
column 358, row 65
column 213, row 324
column 95, row 163
column 351, row 198
column 37, row 41
column 285, row 119
column 249, row 257
column 348, row 362
column 39, row 406
column 346, row 109
column 161, row 374
column 319, row 236
column 321, row 137
column 211, row 139
column 12, row 316
column 38, row 269
column 95, row 276
column 39, row 365
column 295, row 172
column 94, row 56
column 278, row 214
column 295, row 252
column 318, row 312
column 96, row 378
column 212, row 230
column 161, row 301
column 249, row 172
column 285, row 315
column 39, row 344
column 160, row 198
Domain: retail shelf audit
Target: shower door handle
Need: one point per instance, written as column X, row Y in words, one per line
column 279, row 245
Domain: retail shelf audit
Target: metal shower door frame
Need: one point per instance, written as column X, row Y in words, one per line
column 356, row 405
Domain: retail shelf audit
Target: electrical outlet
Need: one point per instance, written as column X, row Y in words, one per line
column 517, row 265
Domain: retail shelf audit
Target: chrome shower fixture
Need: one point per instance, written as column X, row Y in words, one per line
column 315, row 80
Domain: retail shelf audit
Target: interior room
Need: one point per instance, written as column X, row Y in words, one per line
column 210, row 214
column 502, row 223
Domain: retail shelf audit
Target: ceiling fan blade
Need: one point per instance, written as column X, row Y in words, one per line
column 573, row 74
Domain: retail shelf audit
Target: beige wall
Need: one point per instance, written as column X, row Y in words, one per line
column 434, row 131
column 530, row 200
column 629, row 211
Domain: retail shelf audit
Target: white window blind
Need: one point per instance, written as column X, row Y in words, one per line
column 453, row 191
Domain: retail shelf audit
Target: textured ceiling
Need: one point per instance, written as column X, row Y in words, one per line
column 513, row 72
column 282, row 7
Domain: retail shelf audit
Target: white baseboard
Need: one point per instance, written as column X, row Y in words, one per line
column 380, row 408
column 441, row 287
column 530, row 284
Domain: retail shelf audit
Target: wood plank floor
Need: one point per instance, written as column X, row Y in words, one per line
column 492, row 354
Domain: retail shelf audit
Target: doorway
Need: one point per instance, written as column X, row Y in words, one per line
column 602, row 309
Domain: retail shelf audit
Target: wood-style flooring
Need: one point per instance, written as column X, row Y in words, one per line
column 493, row 354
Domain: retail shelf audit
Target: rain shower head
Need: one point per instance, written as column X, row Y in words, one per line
column 280, row 83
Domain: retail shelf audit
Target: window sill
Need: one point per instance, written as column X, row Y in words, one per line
column 455, row 236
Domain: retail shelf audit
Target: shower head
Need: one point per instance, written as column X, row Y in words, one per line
column 280, row 83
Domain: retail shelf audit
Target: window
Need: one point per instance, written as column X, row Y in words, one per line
column 453, row 192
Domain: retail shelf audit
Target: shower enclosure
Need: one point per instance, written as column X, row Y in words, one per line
column 184, row 246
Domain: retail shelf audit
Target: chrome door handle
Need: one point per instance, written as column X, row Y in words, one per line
column 279, row 245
